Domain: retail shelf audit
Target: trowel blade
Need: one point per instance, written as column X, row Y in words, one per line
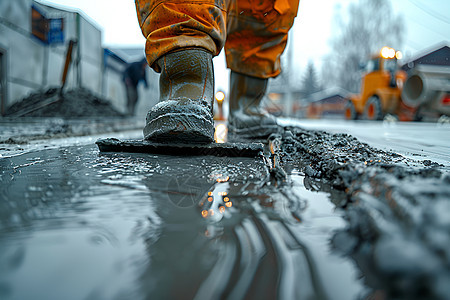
column 214, row 149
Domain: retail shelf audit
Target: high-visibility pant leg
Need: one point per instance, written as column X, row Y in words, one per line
column 169, row 25
column 257, row 35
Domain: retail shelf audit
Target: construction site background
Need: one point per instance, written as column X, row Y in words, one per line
column 33, row 48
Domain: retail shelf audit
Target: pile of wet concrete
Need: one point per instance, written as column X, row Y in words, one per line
column 397, row 211
column 49, row 114
column 74, row 103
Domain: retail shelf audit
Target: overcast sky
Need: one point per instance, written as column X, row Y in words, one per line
column 427, row 24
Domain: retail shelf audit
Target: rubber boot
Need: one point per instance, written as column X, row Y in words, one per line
column 246, row 118
column 185, row 111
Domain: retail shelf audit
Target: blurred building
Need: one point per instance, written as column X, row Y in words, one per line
column 438, row 55
column 33, row 46
column 327, row 104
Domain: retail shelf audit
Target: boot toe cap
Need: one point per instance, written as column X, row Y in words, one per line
column 179, row 122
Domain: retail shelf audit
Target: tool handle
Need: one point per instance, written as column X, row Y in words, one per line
column 67, row 64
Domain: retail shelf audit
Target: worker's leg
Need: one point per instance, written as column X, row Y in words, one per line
column 257, row 36
column 182, row 37
column 179, row 24
column 132, row 96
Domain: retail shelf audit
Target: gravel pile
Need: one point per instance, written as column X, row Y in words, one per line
column 72, row 104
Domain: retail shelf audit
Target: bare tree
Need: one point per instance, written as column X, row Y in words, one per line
column 370, row 25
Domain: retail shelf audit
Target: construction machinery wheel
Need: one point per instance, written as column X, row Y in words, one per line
column 350, row 111
column 372, row 110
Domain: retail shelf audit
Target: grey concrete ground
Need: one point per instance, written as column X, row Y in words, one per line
column 396, row 207
column 78, row 224
column 416, row 140
column 19, row 135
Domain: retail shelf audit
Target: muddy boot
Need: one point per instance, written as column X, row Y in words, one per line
column 184, row 113
column 247, row 119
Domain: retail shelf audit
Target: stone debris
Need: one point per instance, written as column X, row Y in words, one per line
column 398, row 228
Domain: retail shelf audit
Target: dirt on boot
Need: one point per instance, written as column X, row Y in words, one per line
column 246, row 118
column 184, row 113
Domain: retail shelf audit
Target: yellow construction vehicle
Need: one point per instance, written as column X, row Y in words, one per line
column 381, row 88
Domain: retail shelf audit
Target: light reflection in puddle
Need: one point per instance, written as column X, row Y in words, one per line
column 216, row 204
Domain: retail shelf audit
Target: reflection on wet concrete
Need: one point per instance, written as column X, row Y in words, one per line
column 75, row 224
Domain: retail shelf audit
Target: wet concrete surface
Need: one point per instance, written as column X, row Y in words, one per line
column 396, row 210
column 77, row 224
column 341, row 220
column 415, row 140
column 22, row 131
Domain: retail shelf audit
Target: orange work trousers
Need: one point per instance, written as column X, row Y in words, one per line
column 254, row 32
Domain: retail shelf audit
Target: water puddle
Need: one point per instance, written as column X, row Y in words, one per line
column 78, row 224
